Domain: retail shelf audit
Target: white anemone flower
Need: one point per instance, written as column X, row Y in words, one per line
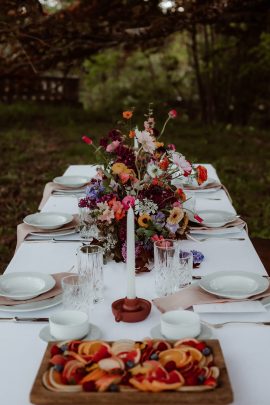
column 146, row 140
column 153, row 170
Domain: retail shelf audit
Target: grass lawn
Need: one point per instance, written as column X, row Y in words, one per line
column 40, row 142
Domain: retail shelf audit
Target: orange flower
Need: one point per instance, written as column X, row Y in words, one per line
column 201, row 174
column 163, row 164
column 159, row 144
column 180, row 193
column 117, row 208
column 127, row 114
column 131, row 134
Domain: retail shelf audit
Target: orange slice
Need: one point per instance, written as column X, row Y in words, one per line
column 55, row 380
column 180, row 357
column 195, row 353
column 89, row 348
column 93, row 376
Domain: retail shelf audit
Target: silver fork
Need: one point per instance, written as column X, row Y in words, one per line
column 209, row 198
column 211, row 238
column 220, row 325
column 204, row 239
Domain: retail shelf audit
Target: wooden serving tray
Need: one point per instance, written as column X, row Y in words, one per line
column 222, row 394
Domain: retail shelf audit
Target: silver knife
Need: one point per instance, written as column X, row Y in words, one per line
column 18, row 319
column 200, row 277
column 54, row 240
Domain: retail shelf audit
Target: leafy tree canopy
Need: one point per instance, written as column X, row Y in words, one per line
column 40, row 35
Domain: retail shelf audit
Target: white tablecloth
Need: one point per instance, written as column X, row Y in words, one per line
column 246, row 347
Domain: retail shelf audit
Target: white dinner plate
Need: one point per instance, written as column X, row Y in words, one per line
column 234, row 284
column 25, row 285
column 71, row 181
column 48, row 220
column 93, row 334
column 206, row 332
column 33, row 306
column 213, row 218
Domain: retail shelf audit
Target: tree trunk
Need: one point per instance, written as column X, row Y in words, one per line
column 196, row 63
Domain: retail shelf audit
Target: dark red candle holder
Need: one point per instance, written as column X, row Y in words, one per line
column 131, row 310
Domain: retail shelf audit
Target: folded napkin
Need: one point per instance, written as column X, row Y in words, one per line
column 195, row 295
column 208, row 186
column 238, row 222
column 23, row 229
column 56, row 290
column 50, row 188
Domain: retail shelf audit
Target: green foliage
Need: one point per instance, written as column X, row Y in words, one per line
column 230, row 82
column 116, row 77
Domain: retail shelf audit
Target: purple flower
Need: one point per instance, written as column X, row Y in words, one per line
column 172, row 228
column 158, row 219
column 198, row 257
column 94, row 190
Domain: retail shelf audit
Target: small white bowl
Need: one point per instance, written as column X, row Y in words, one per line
column 180, row 324
column 66, row 325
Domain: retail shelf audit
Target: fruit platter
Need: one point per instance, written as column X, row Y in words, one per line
column 153, row 370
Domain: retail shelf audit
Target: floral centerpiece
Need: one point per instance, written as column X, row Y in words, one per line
column 139, row 170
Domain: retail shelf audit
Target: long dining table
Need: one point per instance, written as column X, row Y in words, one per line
column 246, row 347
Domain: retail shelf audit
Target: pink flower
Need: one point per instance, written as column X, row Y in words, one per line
column 181, row 162
column 171, row 146
column 177, row 204
column 87, row 140
column 128, row 201
column 157, row 238
column 172, row 114
column 124, row 177
column 112, row 146
column 107, row 216
column 115, row 205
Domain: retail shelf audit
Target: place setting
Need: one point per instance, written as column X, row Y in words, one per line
column 215, row 223
column 48, row 226
column 228, row 291
column 64, row 186
column 81, row 292
column 30, row 291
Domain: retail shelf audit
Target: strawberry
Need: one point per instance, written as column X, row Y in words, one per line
column 211, row 381
column 55, row 350
column 89, row 386
column 102, row 353
column 200, row 346
column 170, row 366
column 191, row 380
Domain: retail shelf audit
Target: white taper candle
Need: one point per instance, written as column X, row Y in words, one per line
column 131, row 290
